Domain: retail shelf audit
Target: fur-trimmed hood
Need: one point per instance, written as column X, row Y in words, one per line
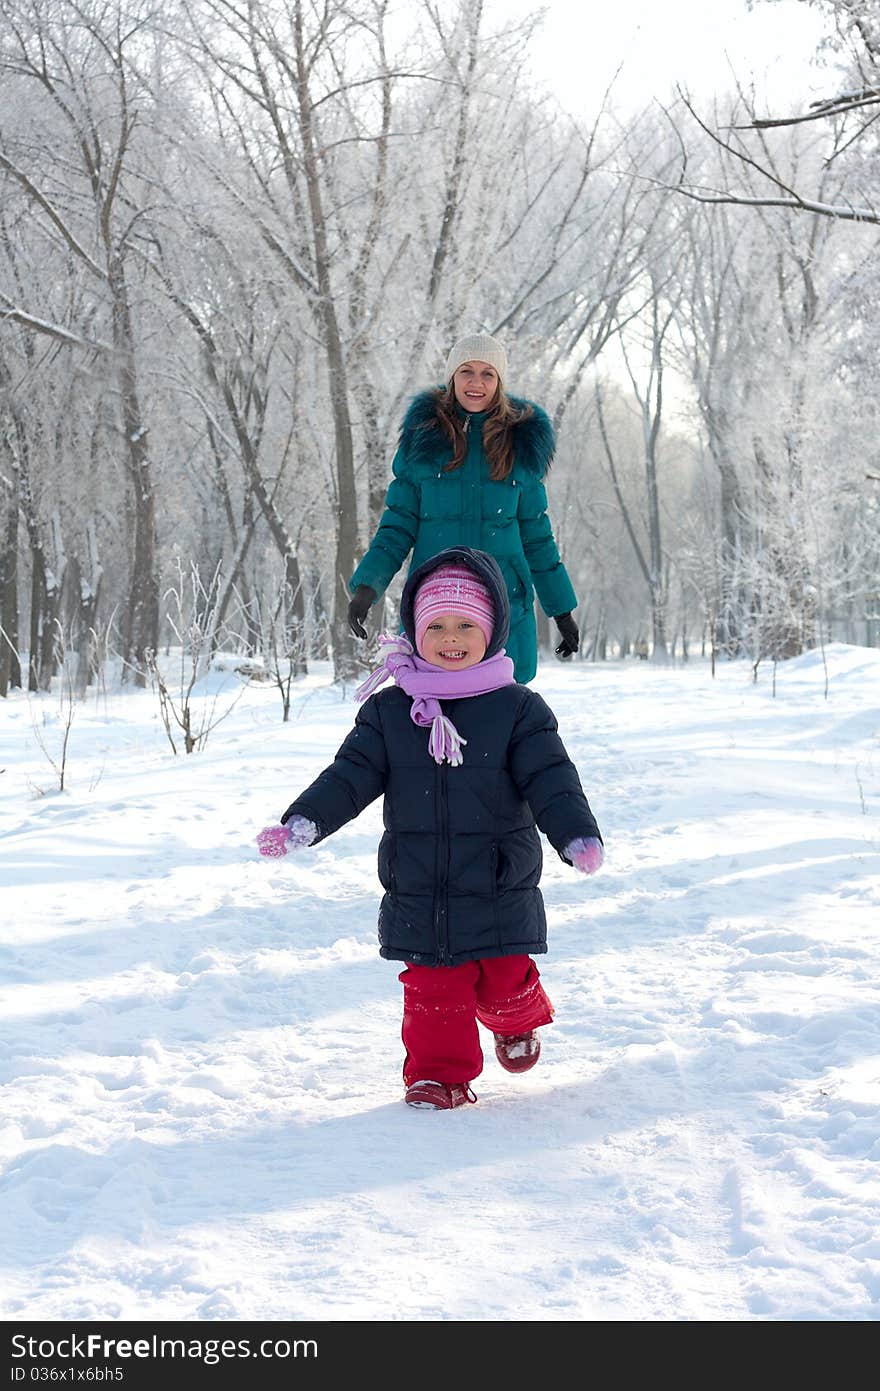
column 485, row 567
column 425, row 441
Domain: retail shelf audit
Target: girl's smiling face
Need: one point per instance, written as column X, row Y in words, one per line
column 453, row 642
column 476, row 385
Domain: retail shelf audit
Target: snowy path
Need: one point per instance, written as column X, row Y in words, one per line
column 200, row 1052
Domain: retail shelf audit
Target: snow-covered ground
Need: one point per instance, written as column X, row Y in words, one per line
column 200, row 1052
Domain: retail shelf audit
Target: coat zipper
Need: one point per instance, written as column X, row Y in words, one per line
column 471, row 505
column 441, row 893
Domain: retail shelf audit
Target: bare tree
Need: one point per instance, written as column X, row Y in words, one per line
column 193, row 618
column 282, row 62
column 89, row 203
column 647, row 387
column 846, row 121
column 238, row 381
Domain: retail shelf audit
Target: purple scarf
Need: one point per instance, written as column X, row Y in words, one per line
column 428, row 685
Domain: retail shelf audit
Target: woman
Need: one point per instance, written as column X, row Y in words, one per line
column 469, row 471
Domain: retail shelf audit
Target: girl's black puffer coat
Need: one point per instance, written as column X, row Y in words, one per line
column 460, row 858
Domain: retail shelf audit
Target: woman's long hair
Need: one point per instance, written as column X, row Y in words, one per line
column 497, row 430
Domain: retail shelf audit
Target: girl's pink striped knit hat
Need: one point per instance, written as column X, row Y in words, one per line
column 453, row 589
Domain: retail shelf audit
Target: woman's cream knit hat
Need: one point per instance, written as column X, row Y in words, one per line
column 477, row 347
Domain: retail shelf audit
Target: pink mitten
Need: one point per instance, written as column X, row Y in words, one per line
column 275, row 841
column 587, row 855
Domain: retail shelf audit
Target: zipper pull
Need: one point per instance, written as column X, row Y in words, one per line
column 467, row 423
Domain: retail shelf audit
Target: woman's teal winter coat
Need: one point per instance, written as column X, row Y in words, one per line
column 427, row 509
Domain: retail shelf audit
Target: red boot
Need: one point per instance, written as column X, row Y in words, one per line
column 518, row 1052
column 438, row 1096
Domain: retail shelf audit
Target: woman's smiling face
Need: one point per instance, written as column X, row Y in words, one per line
column 475, row 385
column 453, row 642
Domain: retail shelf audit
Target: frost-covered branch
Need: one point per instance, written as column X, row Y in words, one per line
column 835, row 106
column 52, row 213
column 44, row 326
column 788, row 196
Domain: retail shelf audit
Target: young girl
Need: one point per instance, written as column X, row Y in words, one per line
column 469, row 471
column 468, row 762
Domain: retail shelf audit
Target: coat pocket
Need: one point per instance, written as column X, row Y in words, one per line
column 519, row 584
column 517, row 861
column 386, row 857
column 493, row 868
column 524, row 576
column 441, row 498
column 498, row 502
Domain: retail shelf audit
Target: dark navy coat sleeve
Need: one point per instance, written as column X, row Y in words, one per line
column 356, row 777
column 547, row 778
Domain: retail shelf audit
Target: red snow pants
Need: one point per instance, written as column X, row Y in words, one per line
column 442, row 1004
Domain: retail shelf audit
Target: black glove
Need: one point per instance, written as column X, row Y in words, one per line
column 359, row 607
column 570, row 636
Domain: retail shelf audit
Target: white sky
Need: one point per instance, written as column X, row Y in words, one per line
column 692, row 42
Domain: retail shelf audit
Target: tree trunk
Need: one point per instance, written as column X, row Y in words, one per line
column 729, row 632
column 376, row 447
column 44, row 593
column 660, row 651
column 85, row 588
column 344, row 663
column 141, row 622
column 10, row 661
column 544, row 631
